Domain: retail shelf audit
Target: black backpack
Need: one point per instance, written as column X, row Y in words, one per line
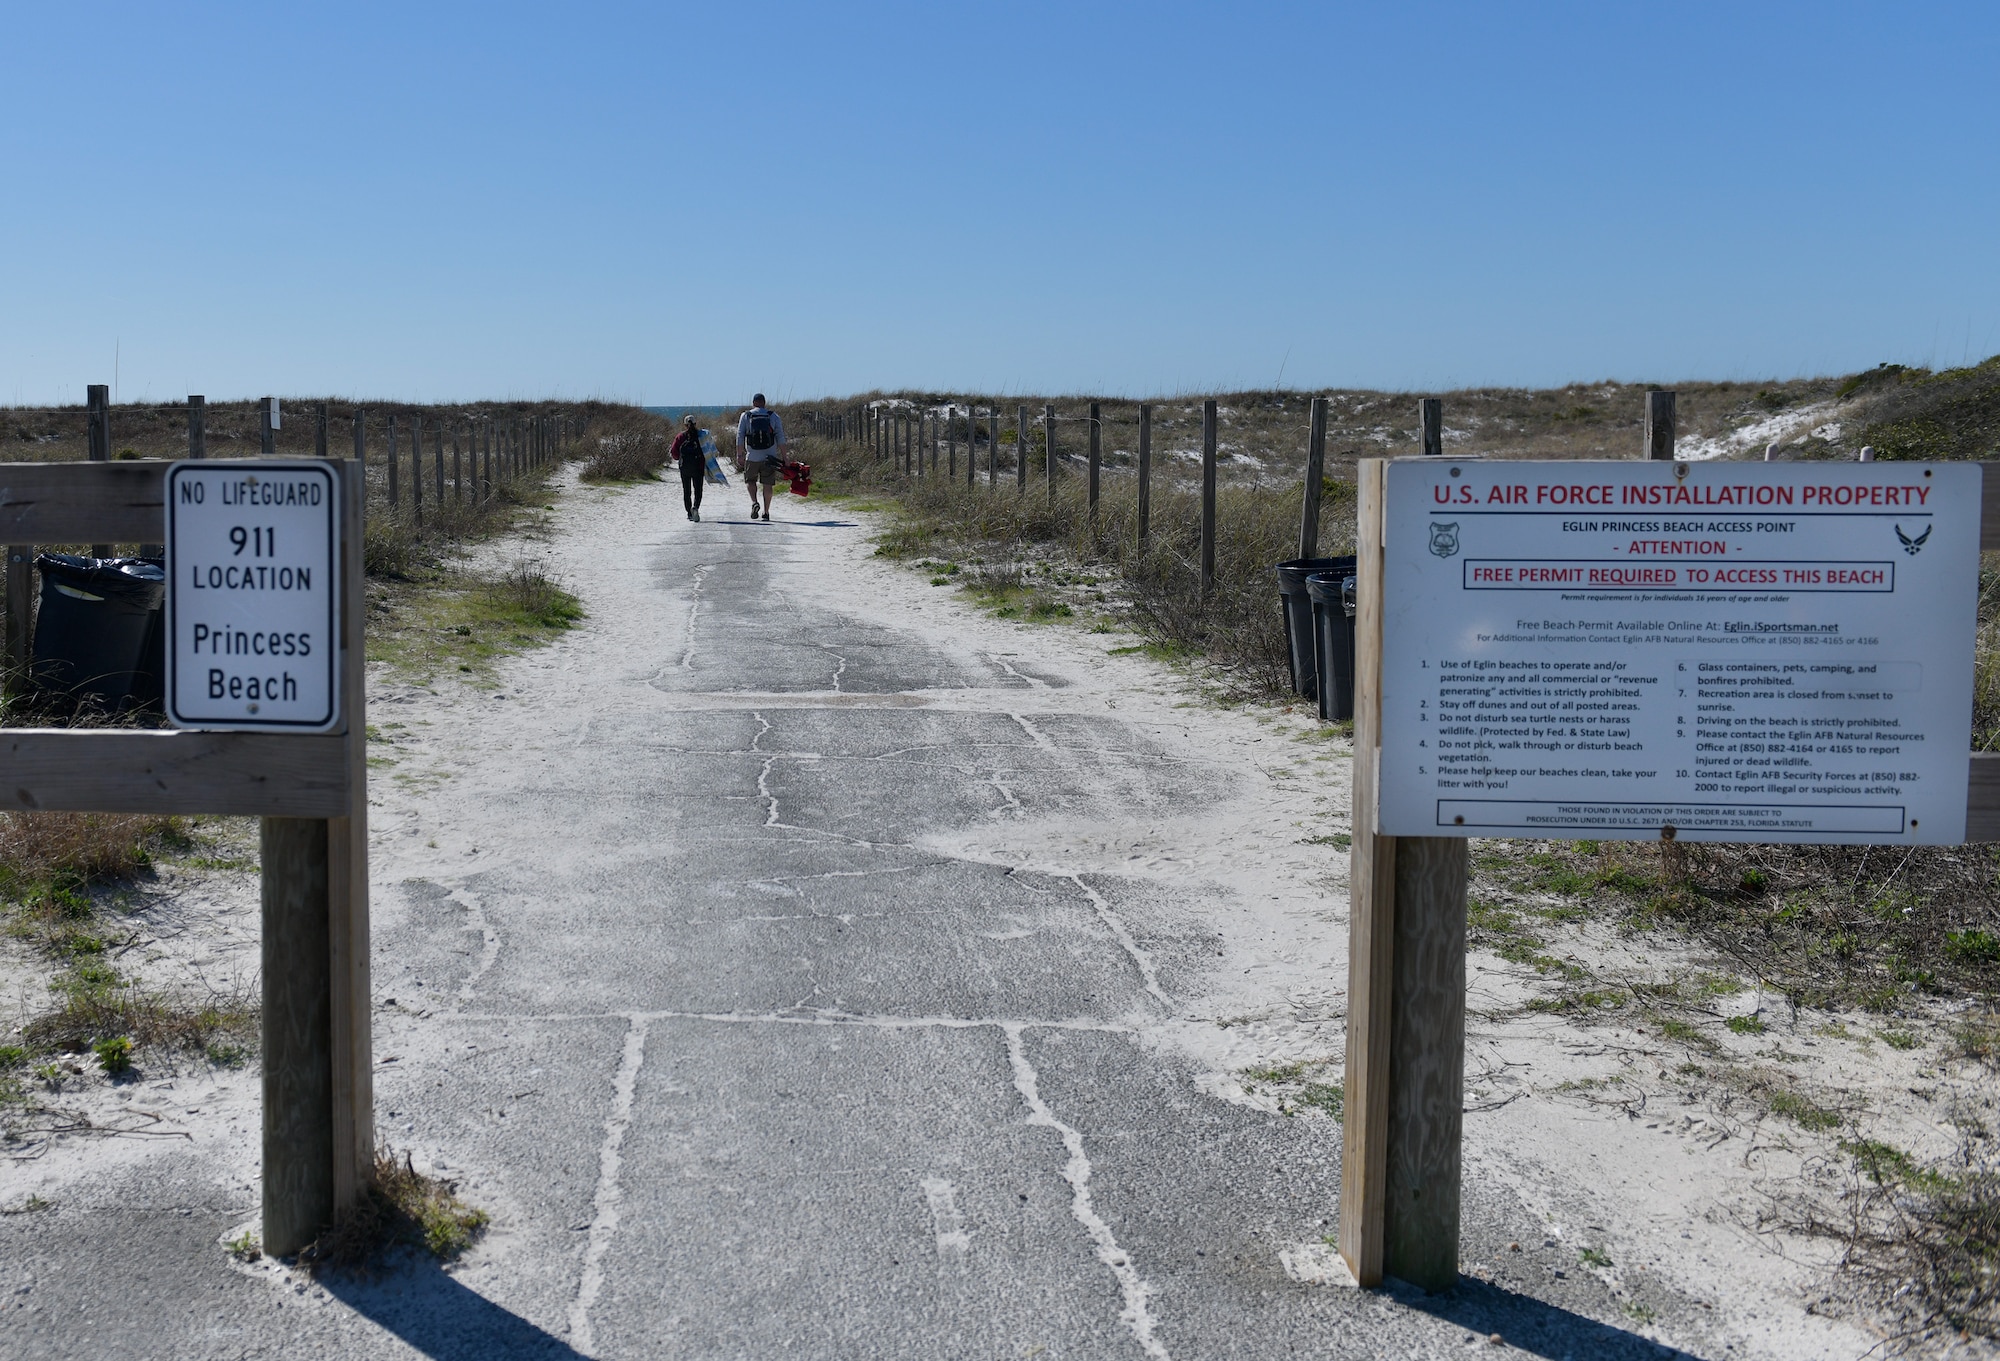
column 762, row 434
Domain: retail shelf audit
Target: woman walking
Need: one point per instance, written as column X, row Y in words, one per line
column 687, row 452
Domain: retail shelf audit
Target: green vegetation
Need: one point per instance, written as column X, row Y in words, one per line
column 1826, row 926
column 461, row 622
column 401, row 1208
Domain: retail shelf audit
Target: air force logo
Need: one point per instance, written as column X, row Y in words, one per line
column 1444, row 539
column 1916, row 545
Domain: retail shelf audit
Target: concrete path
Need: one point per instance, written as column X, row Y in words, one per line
column 796, row 962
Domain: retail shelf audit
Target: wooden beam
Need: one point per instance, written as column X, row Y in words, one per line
column 1315, row 477
column 1420, row 1188
column 123, row 502
column 351, row 991
column 1659, row 431
column 298, row 1067
column 114, row 770
column 1982, row 797
column 1371, row 916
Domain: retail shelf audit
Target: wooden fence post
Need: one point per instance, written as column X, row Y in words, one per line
column 417, row 470
column 1208, row 496
column 98, row 439
column 1049, row 449
column 1430, row 424
column 1145, row 471
column 298, row 1034
column 951, row 443
column 1021, row 448
column 395, row 494
column 361, row 440
column 457, row 467
column 1659, row 442
column 1096, row 458
column 319, row 1105
column 992, row 450
column 1426, row 1063
column 1315, row 476
column 1371, row 915
column 437, row 446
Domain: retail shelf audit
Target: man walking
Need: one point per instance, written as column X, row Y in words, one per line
column 760, row 448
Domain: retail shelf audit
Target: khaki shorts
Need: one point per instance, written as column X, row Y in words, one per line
column 764, row 470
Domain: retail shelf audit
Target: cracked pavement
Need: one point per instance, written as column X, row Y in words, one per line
column 795, row 962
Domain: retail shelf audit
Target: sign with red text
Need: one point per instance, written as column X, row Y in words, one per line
column 253, row 595
column 1711, row 651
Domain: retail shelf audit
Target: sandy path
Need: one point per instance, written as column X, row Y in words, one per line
column 794, row 959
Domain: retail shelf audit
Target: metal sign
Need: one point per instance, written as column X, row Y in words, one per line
column 253, row 595
column 1712, row 651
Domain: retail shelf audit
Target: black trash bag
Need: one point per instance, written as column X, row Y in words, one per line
column 1301, row 652
column 100, row 638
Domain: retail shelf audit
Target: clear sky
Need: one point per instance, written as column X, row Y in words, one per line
column 680, row 203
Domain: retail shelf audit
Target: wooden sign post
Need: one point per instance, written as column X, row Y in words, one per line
column 310, row 788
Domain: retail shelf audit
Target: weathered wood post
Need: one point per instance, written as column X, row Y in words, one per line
column 437, row 448
column 1400, row 1165
column 1020, row 448
column 361, row 442
column 1049, row 449
column 20, row 616
column 98, row 439
column 1145, row 471
column 417, row 470
column 1659, row 441
column 395, row 494
column 1315, row 478
column 951, row 443
column 457, row 466
column 1208, row 496
column 318, row 1128
column 992, row 449
column 1096, row 460
column 1430, row 426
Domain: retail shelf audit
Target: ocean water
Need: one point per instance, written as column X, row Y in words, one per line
column 704, row 414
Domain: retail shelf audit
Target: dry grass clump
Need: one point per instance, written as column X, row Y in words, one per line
column 1924, row 1238
column 50, row 862
column 400, row 1207
column 1829, row 926
column 97, row 1004
column 630, row 446
column 1009, row 530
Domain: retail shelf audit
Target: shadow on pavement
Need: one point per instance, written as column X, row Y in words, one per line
column 1533, row 1326
column 443, row 1319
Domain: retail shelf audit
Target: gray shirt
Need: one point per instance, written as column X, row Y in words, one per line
column 743, row 435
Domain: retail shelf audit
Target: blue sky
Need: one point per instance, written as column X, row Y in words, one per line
column 682, row 203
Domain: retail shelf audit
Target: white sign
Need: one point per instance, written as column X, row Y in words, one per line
column 253, row 595
column 1735, row 651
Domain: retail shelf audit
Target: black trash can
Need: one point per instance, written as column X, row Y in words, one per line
column 1332, row 595
column 99, row 636
column 1298, row 617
